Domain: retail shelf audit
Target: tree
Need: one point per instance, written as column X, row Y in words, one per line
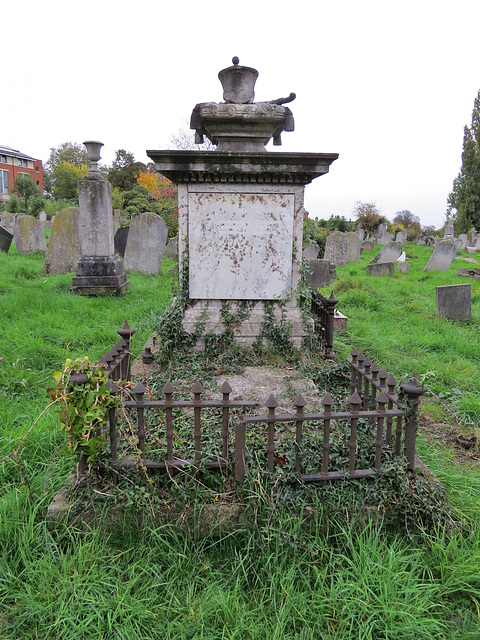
column 368, row 216
column 407, row 220
column 165, row 193
column 184, row 140
column 25, row 187
column 66, row 164
column 124, row 171
column 463, row 202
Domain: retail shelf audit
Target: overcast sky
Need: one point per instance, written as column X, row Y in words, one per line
column 388, row 86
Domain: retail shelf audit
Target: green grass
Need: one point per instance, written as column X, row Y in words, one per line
column 284, row 575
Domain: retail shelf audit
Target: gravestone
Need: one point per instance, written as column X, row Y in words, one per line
column 120, row 240
column 29, row 236
column 63, row 251
column 5, row 239
column 463, row 238
column 360, row 233
column 383, row 236
column 116, row 221
column 310, row 251
column 42, row 216
column 7, row 221
column 381, row 269
column 352, row 250
column 458, row 244
column 171, row 250
column 146, row 243
column 401, row 237
column 443, row 255
column 454, row 301
column 99, row 271
column 323, row 273
column 421, row 241
column 367, row 245
column 449, row 229
column 389, row 253
column 403, row 267
column 336, row 248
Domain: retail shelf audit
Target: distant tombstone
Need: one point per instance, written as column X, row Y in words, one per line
column 367, row 245
column 442, row 256
column 383, row 236
column 458, row 244
column 29, row 236
column 449, row 229
column 389, row 253
column 310, row 251
column 116, row 222
column 120, row 240
column 454, row 301
column 473, row 233
column 352, row 251
column 323, row 273
column 360, row 233
column 381, row 269
column 403, row 267
column 336, row 248
column 42, row 216
column 421, row 241
column 7, row 221
column 146, row 243
column 5, row 239
column 171, row 250
column 401, row 237
column 476, row 241
column 463, row 238
column 63, row 251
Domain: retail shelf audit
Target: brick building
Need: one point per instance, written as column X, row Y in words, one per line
column 13, row 163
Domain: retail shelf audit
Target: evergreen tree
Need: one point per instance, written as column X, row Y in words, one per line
column 464, row 199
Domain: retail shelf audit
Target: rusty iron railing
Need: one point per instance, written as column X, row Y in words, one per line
column 323, row 310
column 373, row 397
column 368, row 381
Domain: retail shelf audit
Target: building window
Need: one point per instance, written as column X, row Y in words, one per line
column 38, row 183
column 4, row 159
column 3, row 181
column 37, row 169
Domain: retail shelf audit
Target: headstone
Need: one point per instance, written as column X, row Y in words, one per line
column 367, row 245
column 458, row 244
column 336, row 248
column 323, row 273
column 473, row 233
column 29, row 236
column 310, row 251
column 171, row 250
column 476, row 241
column 449, row 229
column 7, row 221
column 63, row 251
column 120, row 240
column 360, row 233
column 454, row 301
column 99, row 271
column 146, row 243
column 352, row 251
column 464, row 240
column 421, row 241
column 116, row 221
column 5, row 240
column 42, row 216
column 403, row 267
column 401, row 237
column 442, row 256
column 381, row 269
column 383, row 236
column 389, row 253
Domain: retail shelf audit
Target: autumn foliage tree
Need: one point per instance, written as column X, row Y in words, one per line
column 368, row 216
column 165, row 194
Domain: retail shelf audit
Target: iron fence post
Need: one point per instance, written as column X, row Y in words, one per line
column 240, row 438
column 413, row 390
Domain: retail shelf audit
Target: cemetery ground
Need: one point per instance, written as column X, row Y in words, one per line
column 284, row 574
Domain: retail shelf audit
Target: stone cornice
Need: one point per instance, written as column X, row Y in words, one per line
column 241, row 167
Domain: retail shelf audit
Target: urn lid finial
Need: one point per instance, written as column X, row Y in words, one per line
column 238, row 83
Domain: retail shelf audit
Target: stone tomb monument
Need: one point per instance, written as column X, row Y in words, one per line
column 63, row 250
column 99, row 271
column 241, row 208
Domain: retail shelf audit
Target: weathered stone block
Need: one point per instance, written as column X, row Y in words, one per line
column 454, row 301
column 29, row 236
column 403, row 267
column 323, row 272
column 381, row 269
column 389, row 253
